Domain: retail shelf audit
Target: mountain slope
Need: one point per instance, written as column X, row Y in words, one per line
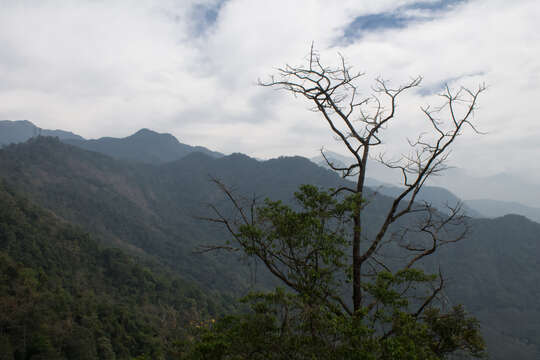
column 496, row 273
column 64, row 297
column 119, row 201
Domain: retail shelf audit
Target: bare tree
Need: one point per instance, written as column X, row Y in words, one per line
column 359, row 123
column 310, row 250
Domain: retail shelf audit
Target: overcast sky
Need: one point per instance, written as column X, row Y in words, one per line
column 188, row 67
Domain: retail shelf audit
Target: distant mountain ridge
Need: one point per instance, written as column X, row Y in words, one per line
column 13, row 132
column 145, row 145
column 148, row 146
column 438, row 197
column 504, row 186
column 495, row 208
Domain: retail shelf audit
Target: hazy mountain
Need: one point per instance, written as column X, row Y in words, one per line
column 501, row 187
column 12, row 132
column 151, row 210
column 440, row 198
column 495, row 208
column 378, row 173
column 144, row 146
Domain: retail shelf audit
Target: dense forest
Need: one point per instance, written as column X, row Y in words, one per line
column 64, row 296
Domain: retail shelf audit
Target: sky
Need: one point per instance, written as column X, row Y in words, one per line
column 190, row 68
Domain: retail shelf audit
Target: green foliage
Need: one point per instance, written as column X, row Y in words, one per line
column 282, row 326
column 305, row 249
column 299, row 247
column 62, row 296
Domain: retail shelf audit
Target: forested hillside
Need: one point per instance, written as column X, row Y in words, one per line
column 153, row 211
column 64, row 296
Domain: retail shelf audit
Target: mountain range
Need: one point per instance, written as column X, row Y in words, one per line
column 489, row 196
column 150, row 211
column 150, row 147
column 144, row 146
column 12, row 132
column 496, row 208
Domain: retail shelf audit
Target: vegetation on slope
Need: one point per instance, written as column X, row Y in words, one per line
column 62, row 296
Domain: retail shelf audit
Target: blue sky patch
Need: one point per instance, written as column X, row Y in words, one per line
column 205, row 16
column 438, row 87
column 372, row 22
column 434, row 5
column 399, row 18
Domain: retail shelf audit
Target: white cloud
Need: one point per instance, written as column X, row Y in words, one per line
column 111, row 67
